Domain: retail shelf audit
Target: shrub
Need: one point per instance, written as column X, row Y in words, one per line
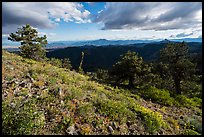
column 182, row 100
column 160, row 96
column 153, row 120
column 55, row 62
column 192, row 89
column 21, row 120
column 114, row 109
column 66, row 63
column 190, row 132
column 193, row 123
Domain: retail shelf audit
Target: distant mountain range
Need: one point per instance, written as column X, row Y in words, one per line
column 103, row 42
column 100, row 42
column 104, row 53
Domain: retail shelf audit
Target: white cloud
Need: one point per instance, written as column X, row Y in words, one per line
column 57, row 19
column 5, row 35
column 99, row 11
column 47, row 34
column 41, row 14
column 151, row 15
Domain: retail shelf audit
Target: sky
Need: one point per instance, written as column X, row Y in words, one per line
column 74, row 21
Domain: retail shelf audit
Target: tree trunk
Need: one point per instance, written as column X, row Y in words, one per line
column 131, row 79
column 177, row 85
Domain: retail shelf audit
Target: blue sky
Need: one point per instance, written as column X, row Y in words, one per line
column 72, row 21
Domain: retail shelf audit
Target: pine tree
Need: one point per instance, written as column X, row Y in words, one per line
column 32, row 46
column 130, row 67
column 180, row 67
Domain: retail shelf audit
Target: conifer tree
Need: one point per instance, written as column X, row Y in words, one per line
column 180, row 67
column 32, row 46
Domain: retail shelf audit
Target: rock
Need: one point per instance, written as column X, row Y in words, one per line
column 103, row 95
column 110, row 129
column 12, row 105
column 29, row 94
column 128, row 123
column 15, row 92
column 60, row 91
column 22, row 84
column 62, row 102
column 29, row 85
column 31, row 79
column 114, row 125
column 86, row 99
column 77, row 126
column 71, row 130
column 94, row 123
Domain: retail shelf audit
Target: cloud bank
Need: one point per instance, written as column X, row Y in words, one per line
column 41, row 14
column 151, row 15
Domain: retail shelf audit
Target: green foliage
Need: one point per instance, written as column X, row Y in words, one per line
column 197, row 100
column 191, row 89
column 162, row 78
column 21, row 119
column 190, row 132
column 32, row 45
column 192, row 126
column 130, row 67
column 182, row 100
column 80, row 69
column 56, row 62
column 180, row 66
column 163, row 97
column 160, row 96
column 85, row 109
column 70, row 99
column 66, row 63
column 153, row 120
column 105, row 56
column 102, row 74
column 61, row 63
column 115, row 110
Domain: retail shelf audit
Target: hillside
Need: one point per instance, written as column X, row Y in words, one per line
column 105, row 56
column 38, row 98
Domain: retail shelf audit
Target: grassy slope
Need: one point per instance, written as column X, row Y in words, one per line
column 39, row 98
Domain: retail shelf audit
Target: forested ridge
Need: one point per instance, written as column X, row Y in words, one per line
column 105, row 56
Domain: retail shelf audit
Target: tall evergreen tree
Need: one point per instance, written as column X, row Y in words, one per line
column 32, row 45
column 130, row 67
column 180, row 68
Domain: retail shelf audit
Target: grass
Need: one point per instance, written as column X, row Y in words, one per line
column 60, row 98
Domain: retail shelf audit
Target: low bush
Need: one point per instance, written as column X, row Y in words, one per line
column 160, row 96
column 21, row 119
column 181, row 100
column 190, row 132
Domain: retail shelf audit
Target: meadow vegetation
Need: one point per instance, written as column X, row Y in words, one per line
column 39, row 98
